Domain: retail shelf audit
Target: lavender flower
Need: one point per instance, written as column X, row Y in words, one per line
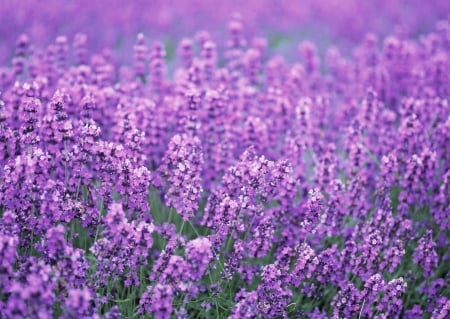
column 157, row 300
column 199, row 255
column 425, row 254
column 182, row 167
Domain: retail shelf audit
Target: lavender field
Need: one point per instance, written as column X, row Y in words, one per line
column 225, row 159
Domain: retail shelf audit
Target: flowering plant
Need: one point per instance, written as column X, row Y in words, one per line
column 216, row 178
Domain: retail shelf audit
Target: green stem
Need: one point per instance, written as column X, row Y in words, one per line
column 98, row 226
column 182, row 227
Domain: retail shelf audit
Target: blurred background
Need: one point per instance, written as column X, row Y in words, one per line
column 115, row 23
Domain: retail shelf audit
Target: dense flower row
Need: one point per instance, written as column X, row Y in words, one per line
column 240, row 186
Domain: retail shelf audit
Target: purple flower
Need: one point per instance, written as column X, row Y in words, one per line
column 425, row 254
column 246, row 305
column 78, row 302
column 198, row 256
column 182, row 167
column 157, row 300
